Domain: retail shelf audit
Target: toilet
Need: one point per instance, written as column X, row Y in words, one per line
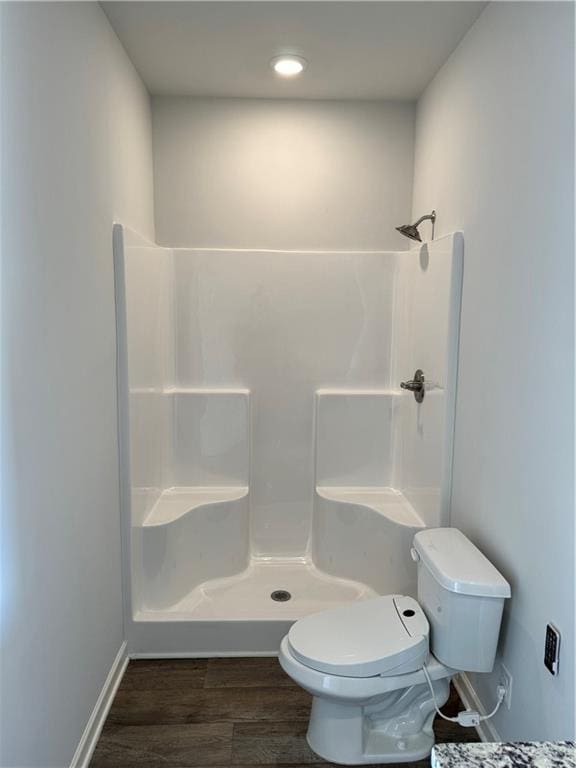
column 363, row 662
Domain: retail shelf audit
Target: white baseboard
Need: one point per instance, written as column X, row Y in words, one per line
column 87, row 743
column 486, row 729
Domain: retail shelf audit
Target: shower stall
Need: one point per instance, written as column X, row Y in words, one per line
column 271, row 464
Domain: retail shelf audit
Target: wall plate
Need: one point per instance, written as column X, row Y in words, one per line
column 552, row 649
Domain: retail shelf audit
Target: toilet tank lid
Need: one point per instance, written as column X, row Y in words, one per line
column 458, row 565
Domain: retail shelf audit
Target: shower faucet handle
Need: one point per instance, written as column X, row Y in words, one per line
column 415, row 385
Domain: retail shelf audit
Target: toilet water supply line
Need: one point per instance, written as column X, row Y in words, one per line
column 468, row 717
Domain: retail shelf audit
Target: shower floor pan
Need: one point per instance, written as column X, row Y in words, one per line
column 248, row 595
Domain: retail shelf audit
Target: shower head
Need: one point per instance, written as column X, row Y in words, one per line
column 411, row 230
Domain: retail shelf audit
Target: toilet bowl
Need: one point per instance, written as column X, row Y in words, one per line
column 363, row 662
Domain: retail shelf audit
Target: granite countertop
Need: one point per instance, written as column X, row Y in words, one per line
column 529, row 754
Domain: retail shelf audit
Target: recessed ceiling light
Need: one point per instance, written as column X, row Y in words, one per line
column 288, row 65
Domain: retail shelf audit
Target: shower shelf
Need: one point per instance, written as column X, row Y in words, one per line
column 386, row 501
column 174, row 503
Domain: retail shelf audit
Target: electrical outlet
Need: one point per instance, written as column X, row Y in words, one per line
column 506, row 680
column 552, row 649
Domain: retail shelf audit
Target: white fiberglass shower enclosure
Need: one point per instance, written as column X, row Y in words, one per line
column 266, row 443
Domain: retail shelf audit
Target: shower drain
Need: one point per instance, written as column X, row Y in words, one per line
column 280, row 595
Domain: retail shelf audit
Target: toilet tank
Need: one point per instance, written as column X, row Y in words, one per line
column 462, row 595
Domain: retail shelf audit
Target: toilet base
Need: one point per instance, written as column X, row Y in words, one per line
column 397, row 728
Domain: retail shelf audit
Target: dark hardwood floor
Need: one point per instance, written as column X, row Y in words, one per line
column 231, row 713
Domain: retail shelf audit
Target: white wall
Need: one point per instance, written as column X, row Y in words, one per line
column 494, row 156
column 249, row 173
column 76, row 154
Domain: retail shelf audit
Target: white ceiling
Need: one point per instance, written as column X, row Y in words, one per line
column 355, row 50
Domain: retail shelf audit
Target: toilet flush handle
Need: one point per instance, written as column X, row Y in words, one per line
column 414, row 555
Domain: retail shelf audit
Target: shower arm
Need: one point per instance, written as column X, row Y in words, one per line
column 428, row 217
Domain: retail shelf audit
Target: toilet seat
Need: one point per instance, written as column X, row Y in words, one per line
column 383, row 636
